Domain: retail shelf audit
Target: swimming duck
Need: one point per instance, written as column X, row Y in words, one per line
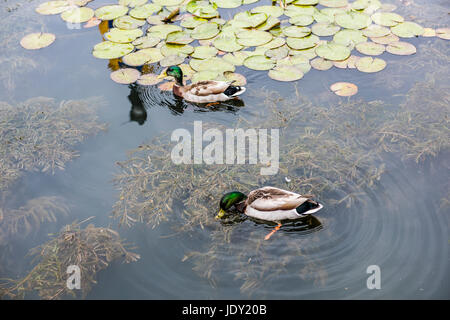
column 204, row 91
column 269, row 204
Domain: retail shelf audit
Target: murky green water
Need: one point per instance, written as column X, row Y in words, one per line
column 401, row 226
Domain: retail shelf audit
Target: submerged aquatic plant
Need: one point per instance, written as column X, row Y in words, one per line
column 92, row 249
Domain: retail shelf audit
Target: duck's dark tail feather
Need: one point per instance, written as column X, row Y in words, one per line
column 308, row 207
column 233, row 91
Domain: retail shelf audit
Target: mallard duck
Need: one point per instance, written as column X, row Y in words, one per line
column 269, row 204
column 203, row 91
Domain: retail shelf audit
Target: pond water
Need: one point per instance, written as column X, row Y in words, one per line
column 401, row 226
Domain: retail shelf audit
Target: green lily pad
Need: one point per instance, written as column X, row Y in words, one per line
column 353, row 20
column 252, row 38
column 154, row 54
column 275, row 43
column 137, row 58
column 333, row 51
column 303, row 43
column 111, row 50
column 298, row 61
column 168, row 3
column 321, row 64
column 370, row 48
column 178, row 37
column 387, row 19
column 111, row 12
column 286, row 73
column 273, row 11
column 228, row 4
column 132, row 3
column 278, row 53
column 128, row 23
column 370, row 65
column 204, row 52
column 292, row 10
column 202, row 9
column 407, row 30
column 205, row 76
column 125, row 76
column 306, row 2
column 296, row 31
column 333, row 3
column 155, row 20
column 161, row 31
column 236, row 58
column 386, row 39
column 309, row 53
column 236, row 78
column 349, row 63
column 123, row 36
column 205, row 31
column 323, row 17
column 227, row 42
column 259, row 62
column 401, row 48
column 146, row 42
column 172, row 60
column 375, row 30
column 35, row 41
column 77, row 15
column 53, row 7
column 212, row 64
column 192, row 21
column 247, row 19
column 145, row 11
column 443, row 33
column 349, row 37
column 170, row 49
column 269, row 24
column 301, row 20
column 148, row 79
column 325, row 29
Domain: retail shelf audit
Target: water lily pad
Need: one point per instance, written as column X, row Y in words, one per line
column 212, row 64
column 306, row 2
column 154, row 54
column 375, row 30
column 146, row 42
column 349, row 37
column 353, row 20
column 179, row 37
column 202, row 9
column 333, row 3
column 170, row 49
column 205, row 31
column 252, row 38
column 333, row 51
column 168, row 3
column 204, row 52
column 303, row 43
column 236, row 58
column 323, row 17
column 370, row 65
column 128, row 23
column 228, row 4
column 401, row 48
column 296, row 31
column 298, row 61
column 386, row 39
column 77, row 15
column 309, row 53
column 292, row 10
column 125, row 76
column 344, row 89
column 269, row 24
column 286, row 73
column 137, row 58
column 145, row 11
column 161, row 31
column 259, row 62
column 123, row 36
column 167, row 86
column 111, row 12
column 111, row 50
column 407, row 30
column 205, row 76
column 132, row 3
column 387, row 19
column 325, row 29
column 192, row 21
column 227, row 42
column 34, row 41
column 172, row 60
column 236, row 78
column 247, row 19
column 53, row 7
column 370, row 48
column 301, row 20
column 273, row 11
column 275, row 43
column 92, row 22
column 443, row 33
column 349, row 63
column 429, row 32
column 321, row 64
column 277, row 53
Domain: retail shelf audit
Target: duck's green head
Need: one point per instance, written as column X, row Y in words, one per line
column 228, row 200
column 176, row 72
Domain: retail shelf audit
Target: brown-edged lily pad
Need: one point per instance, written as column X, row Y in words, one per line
column 344, row 89
column 125, row 76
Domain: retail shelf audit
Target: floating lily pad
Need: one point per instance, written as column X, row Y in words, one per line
column 228, row 4
column 273, row 11
column 333, row 3
column 205, row 31
column 204, row 52
column 236, row 58
column 146, row 42
column 212, row 64
column 443, row 33
column 278, row 53
column 236, row 78
column 172, row 60
column 353, row 20
column 137, row 58
column 299, row 61
column 349, row 63
column 370, row 48
column 303, row 43
column 296, row 31
column 306, row 2
column 168, row 3
column 202, row 9
column 192, row 21
column 53, row 7
column 302, row 20
column 250, row 20
column 92, row 22
column 429, row 32
column 125, row 76
column 387, row 19
column 370, row 65
column 111, row 12
column 227, row 42
column 170, row 49
column 333, row 51
column 269, row 24
column 375, row 30
column 161, row 31
column 401, row 48
column 349, row 37
column 386, row 39
column 252, row 38
column 145, row 11
column 132, row 3
column 292, row 10
column 344, row 89
column 34, row 41
column 309, row 53
column 286, row 73
column 323, row 17
column 123, row 36
column 111, row 50
column 321, row 64
column 155, row 20
column 325, row 29
column 407, row 30
column 205, row 76
column 259, row 62
column 275, row 43
column 178, row 37
column 128, row 23
column 77, row 15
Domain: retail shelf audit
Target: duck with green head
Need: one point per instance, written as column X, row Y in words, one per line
column 204, row 91
column 269, row 204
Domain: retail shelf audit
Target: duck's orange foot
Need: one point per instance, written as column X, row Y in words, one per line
column 212, row 104
column 273, row 231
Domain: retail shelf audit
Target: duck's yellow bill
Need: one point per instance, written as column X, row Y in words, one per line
column 220, row 214
column 162, row 75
